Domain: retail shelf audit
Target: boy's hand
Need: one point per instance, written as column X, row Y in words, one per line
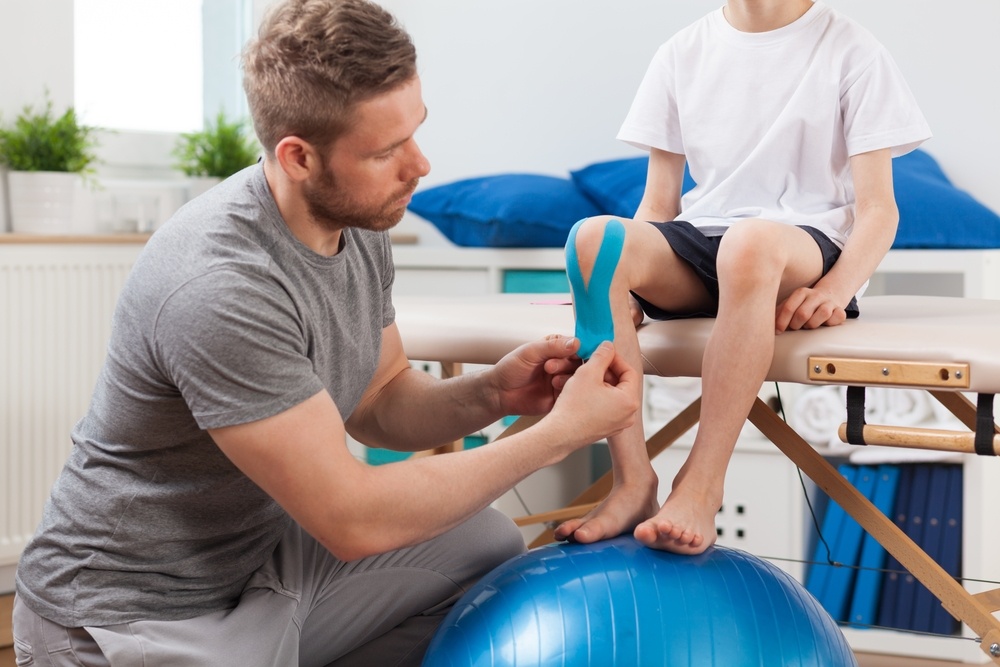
column 808, row 308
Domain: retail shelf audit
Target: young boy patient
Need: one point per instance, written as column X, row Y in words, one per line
column 788, row 115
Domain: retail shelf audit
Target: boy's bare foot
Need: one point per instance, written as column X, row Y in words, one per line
column 684, row 525
column 624, row 507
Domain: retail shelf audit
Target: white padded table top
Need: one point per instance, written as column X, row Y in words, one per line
column 891, row 328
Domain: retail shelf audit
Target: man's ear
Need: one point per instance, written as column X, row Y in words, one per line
column 297, row 157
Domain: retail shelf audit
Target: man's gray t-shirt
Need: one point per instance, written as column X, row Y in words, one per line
column 226, row 318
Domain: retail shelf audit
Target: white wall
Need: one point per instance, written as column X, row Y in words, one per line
column 950, row 55
column 524, row 85
column 36, row 52
column 529, row 85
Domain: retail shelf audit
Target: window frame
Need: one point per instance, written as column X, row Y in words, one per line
column 226, row 25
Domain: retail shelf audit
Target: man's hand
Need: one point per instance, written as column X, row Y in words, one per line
column 808, row 308
column 601, row 399
column 529, row 379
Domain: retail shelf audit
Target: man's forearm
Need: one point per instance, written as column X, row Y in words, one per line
column 417, row 411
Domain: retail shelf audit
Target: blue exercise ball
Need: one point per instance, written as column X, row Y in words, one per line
column 618, row 603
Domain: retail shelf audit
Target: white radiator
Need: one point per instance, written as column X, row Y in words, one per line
column 56, row 302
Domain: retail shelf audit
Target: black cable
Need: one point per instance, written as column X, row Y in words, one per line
column 802, row 483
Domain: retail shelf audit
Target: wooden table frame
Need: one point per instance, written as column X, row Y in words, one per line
column 945, row 376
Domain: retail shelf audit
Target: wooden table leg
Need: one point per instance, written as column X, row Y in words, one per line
column 450, row 369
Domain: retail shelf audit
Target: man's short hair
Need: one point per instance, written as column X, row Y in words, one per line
column 313, row 61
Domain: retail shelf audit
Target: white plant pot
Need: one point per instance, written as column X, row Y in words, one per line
column 199, row 185
column 4, row 199
column 42, row 202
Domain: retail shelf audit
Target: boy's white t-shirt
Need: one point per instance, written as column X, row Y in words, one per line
column 768, row 121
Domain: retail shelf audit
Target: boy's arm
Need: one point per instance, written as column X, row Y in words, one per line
column 661, row 200
column 875, row 221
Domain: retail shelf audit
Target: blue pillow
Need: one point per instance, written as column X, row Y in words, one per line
column 616, row 186
column 505, row 211
column 933, row 213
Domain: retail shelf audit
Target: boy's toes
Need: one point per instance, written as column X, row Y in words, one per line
column 566, row 529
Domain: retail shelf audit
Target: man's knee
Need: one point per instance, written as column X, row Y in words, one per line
column 492, row 539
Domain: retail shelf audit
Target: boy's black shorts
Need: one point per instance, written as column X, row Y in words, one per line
column 701, row 252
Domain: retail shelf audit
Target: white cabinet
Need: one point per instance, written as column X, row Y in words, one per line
column 453, row 271
column 974, row 274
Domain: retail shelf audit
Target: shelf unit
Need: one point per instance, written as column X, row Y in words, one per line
column 974, row 274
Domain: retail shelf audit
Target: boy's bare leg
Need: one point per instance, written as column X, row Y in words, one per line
column 754, row 271
column 737, row 356
column 633, row 495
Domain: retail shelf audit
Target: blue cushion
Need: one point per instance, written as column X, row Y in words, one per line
column 933, row 213
column 616, row 186
column 506, row 210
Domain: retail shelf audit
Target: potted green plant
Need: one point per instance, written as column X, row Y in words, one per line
column 46, row 159
column 218, row 151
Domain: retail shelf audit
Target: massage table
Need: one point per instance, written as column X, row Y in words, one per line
column 947, row 346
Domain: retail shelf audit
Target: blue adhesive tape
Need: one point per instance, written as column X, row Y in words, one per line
column 592, row 302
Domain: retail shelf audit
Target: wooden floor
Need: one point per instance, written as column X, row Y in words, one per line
column 7, row 660
column 7, row 653
column 869, row 660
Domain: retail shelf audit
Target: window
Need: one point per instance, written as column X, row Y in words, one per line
column 146, row 70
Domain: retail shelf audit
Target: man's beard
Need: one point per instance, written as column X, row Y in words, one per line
column 334, row 208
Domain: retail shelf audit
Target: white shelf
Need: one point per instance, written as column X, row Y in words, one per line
column 973, row 274
column 970, row 273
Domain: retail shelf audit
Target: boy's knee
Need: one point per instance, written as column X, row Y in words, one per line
column 588, row 235
column 593, row 250
column 746, row 246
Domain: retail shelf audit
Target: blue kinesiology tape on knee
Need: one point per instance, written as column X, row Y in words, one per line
column 592, row 302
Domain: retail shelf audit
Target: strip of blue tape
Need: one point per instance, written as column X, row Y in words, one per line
column 592, row 302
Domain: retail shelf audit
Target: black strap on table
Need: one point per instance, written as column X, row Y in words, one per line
column 856, row 415
column 985, row 425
